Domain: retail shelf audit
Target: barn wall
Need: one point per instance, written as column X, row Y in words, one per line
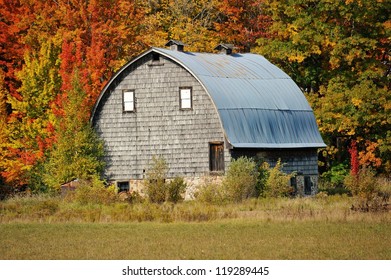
column 303, row 162
column 158, row 127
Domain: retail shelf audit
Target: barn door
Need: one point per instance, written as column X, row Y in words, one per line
column 216, row 154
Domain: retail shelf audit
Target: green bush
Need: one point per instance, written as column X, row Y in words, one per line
column 336, row 175
column 93, row 192
column 277, row 183
column 241, row 179
column 176, row 190
column 211, row 193
column 263, row 173
column 157, row 187
column 155, row 181
column 332, row 181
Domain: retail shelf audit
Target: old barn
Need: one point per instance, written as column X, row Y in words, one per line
column 199, row 111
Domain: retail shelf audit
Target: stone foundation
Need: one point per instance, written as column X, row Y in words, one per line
column 305, row 185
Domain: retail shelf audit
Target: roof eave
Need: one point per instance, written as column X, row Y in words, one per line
column 279, row 145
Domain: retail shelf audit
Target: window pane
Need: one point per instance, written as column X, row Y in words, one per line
column 128, row 106
column 128, row 96
column 128, row 101
column 186, row 104
column 185, row 95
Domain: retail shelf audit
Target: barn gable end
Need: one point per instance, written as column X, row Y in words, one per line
column 158, row 126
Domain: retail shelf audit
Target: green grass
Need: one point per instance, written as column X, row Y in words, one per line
column 233, row 239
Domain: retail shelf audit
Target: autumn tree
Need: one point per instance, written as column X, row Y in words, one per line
column 77, row 153
column 242, row 23
column 50, row 39
column 337, row 52
column 202, row 24
column 29, row 123
column 3, row 124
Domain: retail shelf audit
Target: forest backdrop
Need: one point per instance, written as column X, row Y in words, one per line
column 56, row 56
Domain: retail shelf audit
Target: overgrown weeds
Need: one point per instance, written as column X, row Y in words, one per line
column 370, row 193
column 40, row 208
column 93, row 192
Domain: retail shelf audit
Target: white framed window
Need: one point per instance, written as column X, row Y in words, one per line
column 185, row 98
column 128, row 101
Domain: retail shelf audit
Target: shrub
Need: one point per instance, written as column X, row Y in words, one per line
column 176, row 190
column 155, row 181
column 361, row 184
column 263, row 173
column 277, row 183
column 211, row 193
column 94, row 191
column 157, row 187
column 336, row 175
column 241, row 179
column 131, row 197
column 371, row 193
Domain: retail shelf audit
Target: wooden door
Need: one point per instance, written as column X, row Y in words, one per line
column 216, row 157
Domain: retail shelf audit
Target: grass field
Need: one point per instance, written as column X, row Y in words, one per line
column 302, row 228
column 233, row 239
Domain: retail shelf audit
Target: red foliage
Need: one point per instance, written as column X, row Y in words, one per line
column 354, row 160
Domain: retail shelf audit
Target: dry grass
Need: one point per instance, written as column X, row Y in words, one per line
column 304, row 228
column 233, row 239
column 55, row 210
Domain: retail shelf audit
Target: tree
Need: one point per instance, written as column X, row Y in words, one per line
column 3, row 124
column 337, row 52
column 31, row 119
column 242, row 23
column 78, row 152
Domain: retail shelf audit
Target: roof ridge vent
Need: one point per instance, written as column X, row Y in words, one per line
column 175, row 45
column 225, row 48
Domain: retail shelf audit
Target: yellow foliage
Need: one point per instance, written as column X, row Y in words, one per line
column 356, row 102
column 296, row 58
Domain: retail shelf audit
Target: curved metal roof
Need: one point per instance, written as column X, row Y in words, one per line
column 259, row 105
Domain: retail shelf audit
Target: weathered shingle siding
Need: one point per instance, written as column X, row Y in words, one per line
column 158, row 127
column 300, row 161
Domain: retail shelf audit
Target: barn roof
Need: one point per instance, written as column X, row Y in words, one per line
column 259, row 105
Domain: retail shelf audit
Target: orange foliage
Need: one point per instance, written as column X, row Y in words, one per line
column 368, row 157
column 94, row 38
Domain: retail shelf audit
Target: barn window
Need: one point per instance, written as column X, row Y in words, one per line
column 123, row 186
column 294, row 184
column 155, row 57
column 307, row 185
column 216, row 157
column 128, row 101
column 185, row 96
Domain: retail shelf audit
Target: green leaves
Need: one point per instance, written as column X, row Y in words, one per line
column 78, row 152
